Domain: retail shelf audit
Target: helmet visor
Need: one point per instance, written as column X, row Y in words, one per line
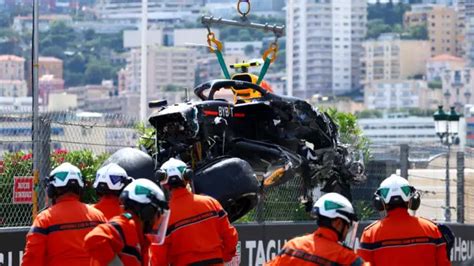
column 158, row 236
column 349, row 241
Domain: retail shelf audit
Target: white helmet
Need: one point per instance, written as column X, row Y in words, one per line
column 395, row 189
column 111, row 177
column 144, row 191
column 146, row 199
column 174, row 171
column 64, row 174
column 333, row 205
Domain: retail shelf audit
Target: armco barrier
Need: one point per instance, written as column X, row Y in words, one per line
column 257, row 242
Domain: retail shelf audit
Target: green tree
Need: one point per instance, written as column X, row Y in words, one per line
column 419, row 32
column 73, row 78
column 98, row 71
column 10, row 42
column 376, row 27
column 388, row 12
column 54, row 51
column 76, row 64
column 350, row 132
column 5, row 19
column 89, row 34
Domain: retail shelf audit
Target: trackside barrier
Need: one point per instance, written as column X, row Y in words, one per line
column 257, row 242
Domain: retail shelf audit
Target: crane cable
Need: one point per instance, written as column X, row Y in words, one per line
column 244, row 13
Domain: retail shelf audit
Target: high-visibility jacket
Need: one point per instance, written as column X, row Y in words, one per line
column 198, row 232
column 319, row 248
column 121, row 239
column 401, row 239
column 57, row 235
column 110, row 206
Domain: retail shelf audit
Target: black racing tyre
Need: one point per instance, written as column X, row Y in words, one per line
column 136, row 163
column 232, row 182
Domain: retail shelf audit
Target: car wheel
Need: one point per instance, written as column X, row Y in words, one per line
column 232, row 182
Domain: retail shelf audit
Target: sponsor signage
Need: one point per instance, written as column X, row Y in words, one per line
column 22, row 190
column 258, row 243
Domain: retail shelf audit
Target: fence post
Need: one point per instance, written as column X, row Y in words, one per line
column 44, row 152
column 404, row 164
column 260, row 208
column 460, row 186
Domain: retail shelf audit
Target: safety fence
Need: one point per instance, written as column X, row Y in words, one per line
column 86, row 139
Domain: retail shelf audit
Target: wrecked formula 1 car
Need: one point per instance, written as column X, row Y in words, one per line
column 279, row 137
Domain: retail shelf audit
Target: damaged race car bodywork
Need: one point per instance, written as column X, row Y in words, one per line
column 280, row 137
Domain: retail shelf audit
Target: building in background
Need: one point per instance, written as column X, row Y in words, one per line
column 25, row 23
column 13, row 88
column 169, row 69
column 398, row 128
column 50, row 66
column 389, row 58
column 84, row 94
column 120, row 10
column 243, row 49
column 12, row 67
column 445, row 32
column 12, row 76
column 127, row 104
column 323, row 46
column 466, row 11
column 457, row 88
column 49, row 84
column 401, row 94
column 437, row 66
column 168, row 37
column 16, row 104
column 62, row 101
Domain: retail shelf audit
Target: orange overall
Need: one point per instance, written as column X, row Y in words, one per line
column 121, row 239
column 318, row 248
column 57, row 235
column 198, row 232
column 110, row 206
column 401, row 239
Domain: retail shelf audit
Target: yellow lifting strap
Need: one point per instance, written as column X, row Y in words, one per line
column 269, row 57
column 215, row 46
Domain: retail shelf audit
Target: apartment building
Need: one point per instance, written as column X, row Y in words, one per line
column 323, row 46
column 389, row 58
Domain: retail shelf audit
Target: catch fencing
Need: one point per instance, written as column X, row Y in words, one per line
column 86, row 139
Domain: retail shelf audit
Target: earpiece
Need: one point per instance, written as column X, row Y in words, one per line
column 147, row 213
column 160, row 177
column 415, row 201
column 378, row 202
column 188, row 174
column 51, row 191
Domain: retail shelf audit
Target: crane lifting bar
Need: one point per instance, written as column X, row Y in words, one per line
column 278, row 31
column 215, row 46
